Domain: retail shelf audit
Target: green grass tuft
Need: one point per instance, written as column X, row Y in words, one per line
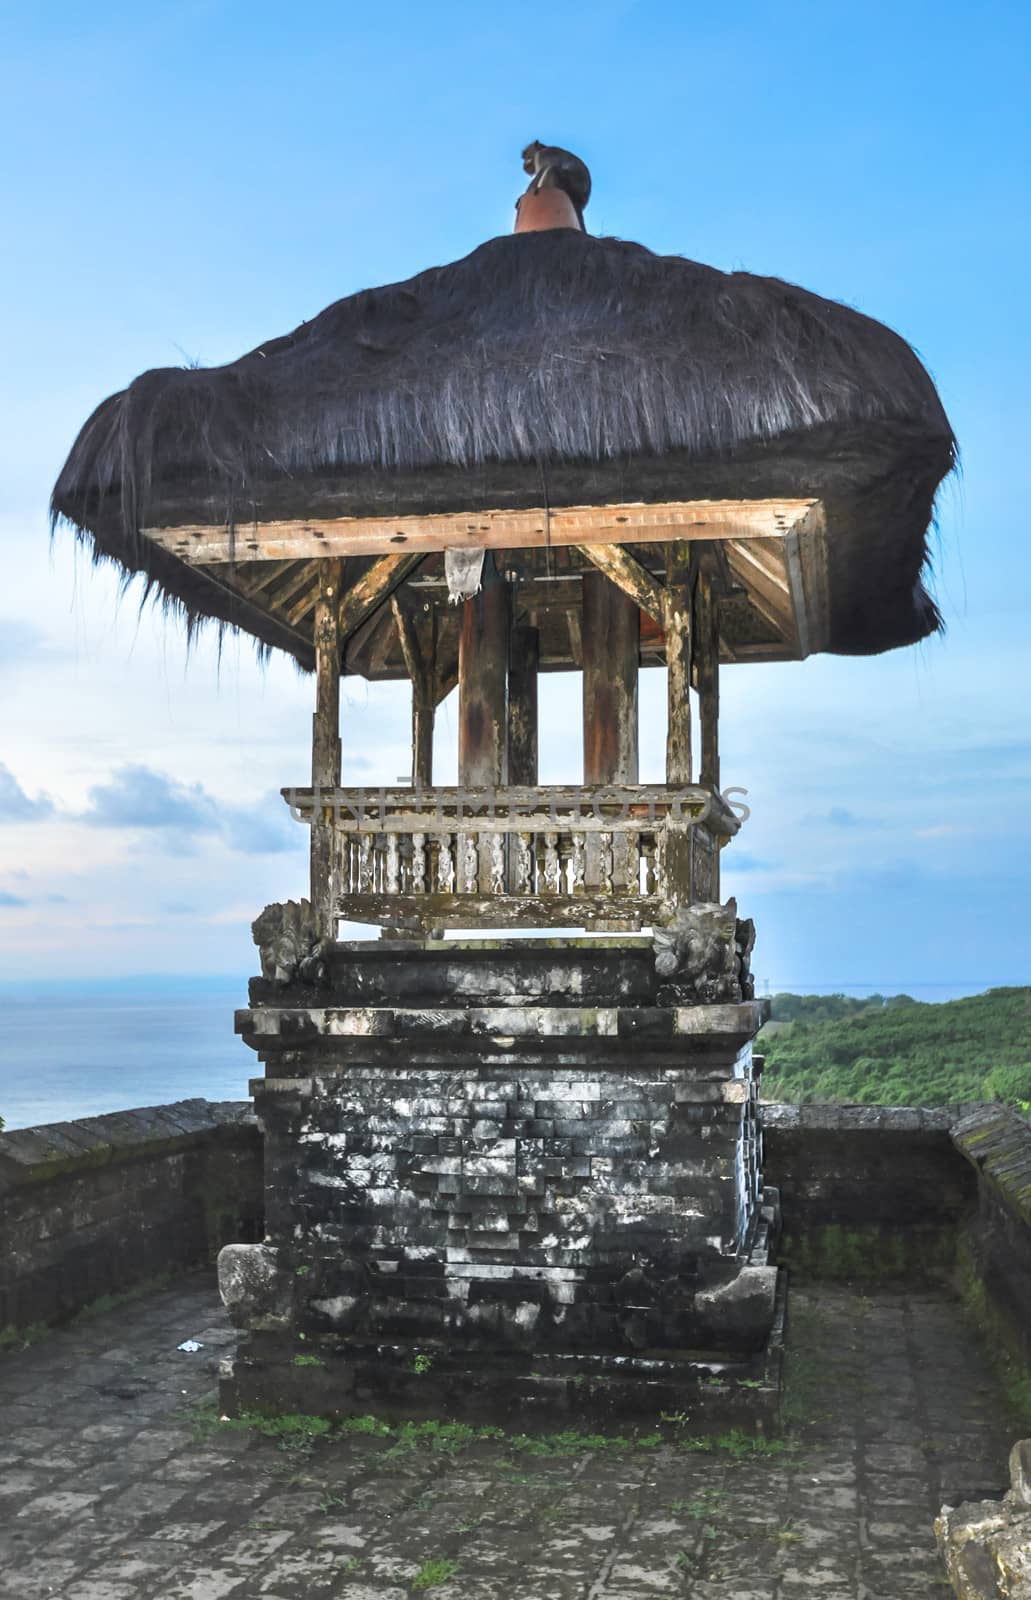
column 433, row 1573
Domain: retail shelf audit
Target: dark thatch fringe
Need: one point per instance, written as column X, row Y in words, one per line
column 627, row 375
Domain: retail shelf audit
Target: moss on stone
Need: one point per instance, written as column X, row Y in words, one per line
column 868, row 1254
column 998, row 1330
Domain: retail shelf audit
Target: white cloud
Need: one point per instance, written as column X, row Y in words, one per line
column 16, row 805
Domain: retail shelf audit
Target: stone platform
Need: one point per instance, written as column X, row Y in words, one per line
column 118, row 1483
column 479, row 1173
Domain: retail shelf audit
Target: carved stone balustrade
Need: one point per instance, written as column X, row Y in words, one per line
column 601, row 856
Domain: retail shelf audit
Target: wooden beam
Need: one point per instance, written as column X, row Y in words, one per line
column 419, row 669
column 611, row 649
column 805, row 550
column 626, row 571
column 248, row 614
column 303, row 607
column 419, row 664
column 372, row 588
column 777, row 620
column 305, row 575
column 325, row 762
column 707, row 656
column 677, row 623
column 523, row 664
column 575, row 632
column 799, row 607
column 202, row 544
column 482, row 683
column 765, row 561
column 250, row 580
column 446, row 668
column 423, row 719
column 766, row 588
column 325, row 742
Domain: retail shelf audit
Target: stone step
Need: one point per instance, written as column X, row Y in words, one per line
column 724, row 1025
column 448, row 972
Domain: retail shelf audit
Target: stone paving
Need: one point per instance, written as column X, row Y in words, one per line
column 116, row 1483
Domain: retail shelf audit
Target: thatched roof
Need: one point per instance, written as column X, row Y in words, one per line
column 545, row 367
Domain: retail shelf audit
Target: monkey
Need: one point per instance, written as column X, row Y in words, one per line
column 554, row 168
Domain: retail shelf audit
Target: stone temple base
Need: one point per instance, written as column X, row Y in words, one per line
column 504, row 1180
column 276, row 1373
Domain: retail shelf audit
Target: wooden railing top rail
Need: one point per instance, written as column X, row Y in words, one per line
column 507, row 809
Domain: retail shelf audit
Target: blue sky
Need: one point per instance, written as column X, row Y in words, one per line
column 189, row 179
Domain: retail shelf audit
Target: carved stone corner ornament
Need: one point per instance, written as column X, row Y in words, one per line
column 255, row 1289
column 289, row 944
column 705, row 950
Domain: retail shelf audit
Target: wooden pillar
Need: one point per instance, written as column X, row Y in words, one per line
column 325, row 743
column 707, row 658
column 523, row 663
column 611, row 632
column 482, row 684
column 676, row 607
column 418, row 646
column 423, row 719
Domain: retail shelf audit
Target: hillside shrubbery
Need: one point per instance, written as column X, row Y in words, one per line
column 897, row 1051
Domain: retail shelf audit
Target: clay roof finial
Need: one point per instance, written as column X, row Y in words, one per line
column 559, row 189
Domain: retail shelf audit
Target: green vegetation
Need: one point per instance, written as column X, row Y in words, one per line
column 704, row 1505
column 897, row 1051
column 737, row 1444
column 123, row 1297
column 298, row 1434
column 12, row 1338
column 871, row 1253
column 432, row 1573
column 295, row 1432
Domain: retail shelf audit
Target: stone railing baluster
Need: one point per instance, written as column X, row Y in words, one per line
column 552, row 864
column 524, row 863
column 606, row 864
column 632, row 846
column 578, row 864
column 549, row 845
column 446, row 864
column 497, row 863
column 471, row 862
column 393, row 867
column 650, row 879
column 418, row 863
column 365, row 863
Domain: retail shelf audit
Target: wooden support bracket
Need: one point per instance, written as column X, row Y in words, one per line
column 633, row 578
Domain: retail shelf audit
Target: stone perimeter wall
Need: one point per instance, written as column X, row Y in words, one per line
column 96, row 1206
column 872, row 1191
column 997, row 1242
column 868, row 1191
column 100, row 1205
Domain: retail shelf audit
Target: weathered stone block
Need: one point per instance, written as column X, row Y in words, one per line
column 986, row 1546
column 582, row 1197
column 253, row 1285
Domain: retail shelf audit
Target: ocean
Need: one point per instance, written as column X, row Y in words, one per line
column 75, row 1050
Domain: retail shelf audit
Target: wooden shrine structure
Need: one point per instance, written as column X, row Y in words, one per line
column 530, row 1168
